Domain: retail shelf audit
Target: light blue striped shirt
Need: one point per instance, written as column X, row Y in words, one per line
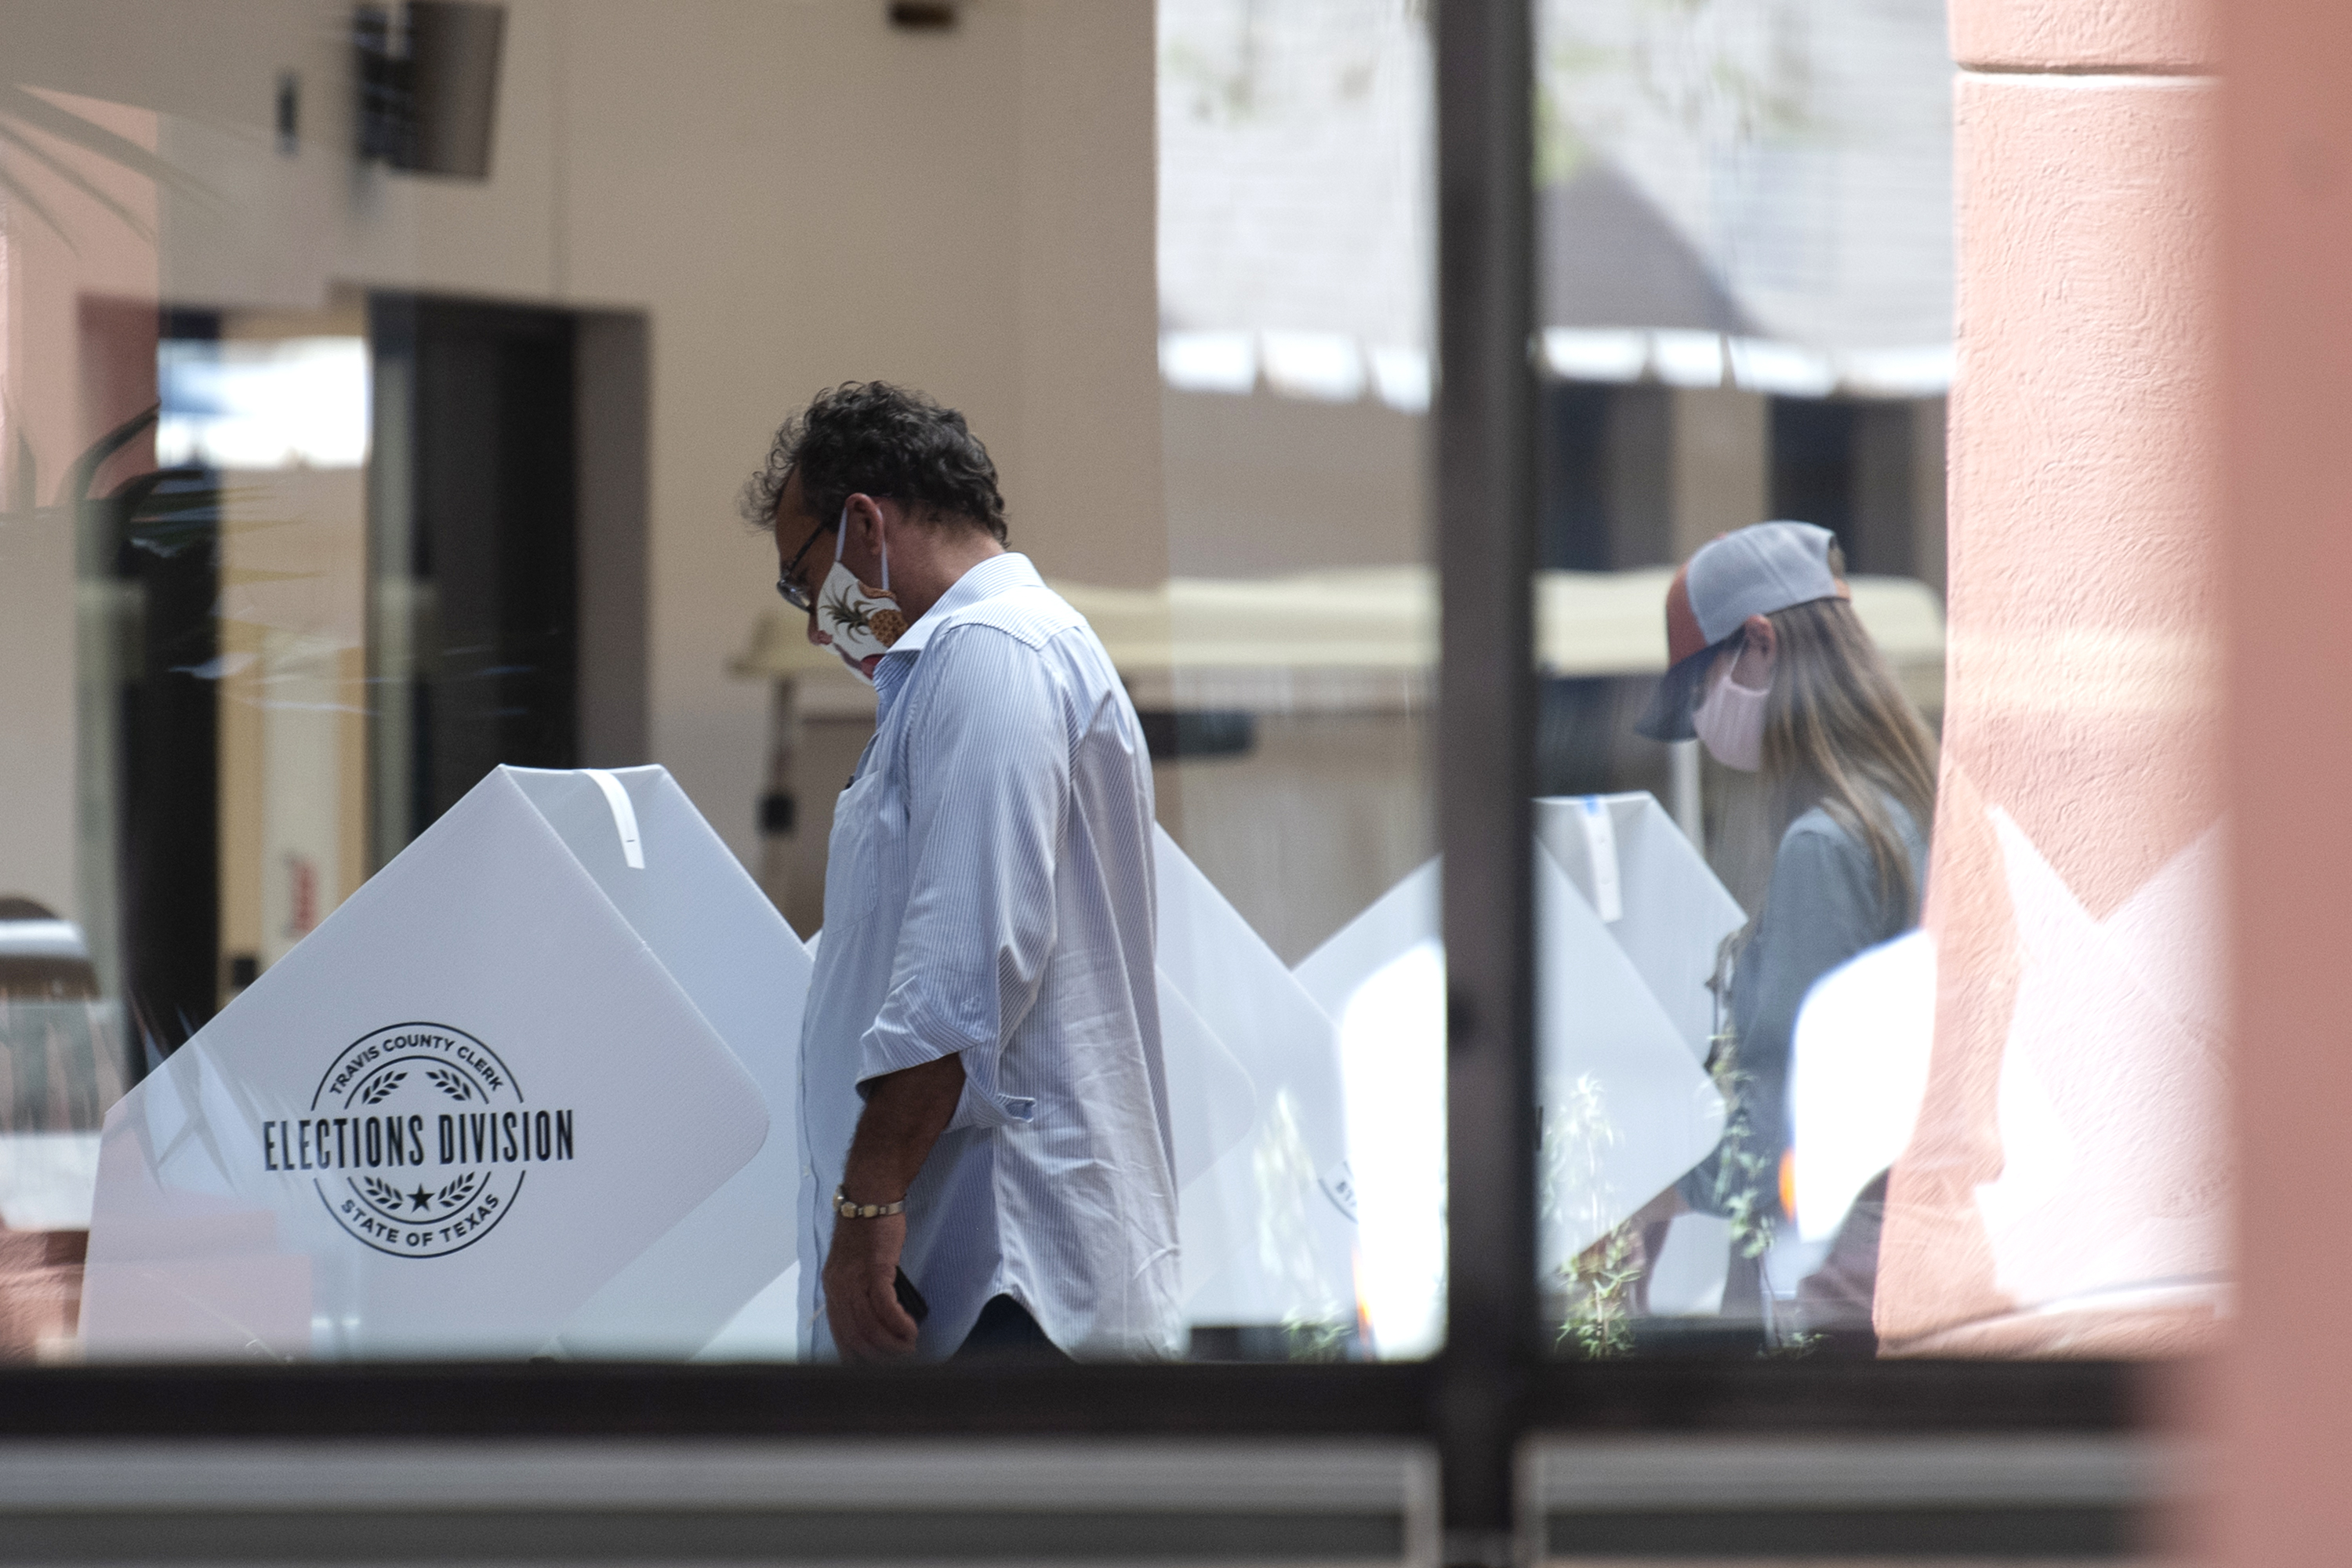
column 988, row 890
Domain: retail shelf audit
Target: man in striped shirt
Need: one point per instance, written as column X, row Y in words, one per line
column 983, row 1110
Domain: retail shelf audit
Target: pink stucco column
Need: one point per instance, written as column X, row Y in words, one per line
column 2285, row 1389
column 2066, row 1188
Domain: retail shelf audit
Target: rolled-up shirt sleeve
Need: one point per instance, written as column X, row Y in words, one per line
column 987, row 793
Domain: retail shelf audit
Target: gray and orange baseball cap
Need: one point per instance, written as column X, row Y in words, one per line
column 1750, row 571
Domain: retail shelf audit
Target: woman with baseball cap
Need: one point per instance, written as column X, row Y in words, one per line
column 1773, row 672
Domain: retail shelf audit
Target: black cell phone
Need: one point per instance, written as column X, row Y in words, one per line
column 910, row 1299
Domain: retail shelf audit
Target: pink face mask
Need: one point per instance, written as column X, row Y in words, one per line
column 1731, row 720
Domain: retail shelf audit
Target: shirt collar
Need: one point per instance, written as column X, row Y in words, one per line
column 997, row 574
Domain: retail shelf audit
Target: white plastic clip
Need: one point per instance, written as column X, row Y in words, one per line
column 624, row 817
column 1601, row 848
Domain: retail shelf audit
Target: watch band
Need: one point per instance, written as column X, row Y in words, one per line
column 847, row 1210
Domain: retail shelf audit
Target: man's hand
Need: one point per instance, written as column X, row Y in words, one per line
column 905, row 1114
column 861, row 1297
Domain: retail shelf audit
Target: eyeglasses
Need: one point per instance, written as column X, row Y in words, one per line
column 798, row 597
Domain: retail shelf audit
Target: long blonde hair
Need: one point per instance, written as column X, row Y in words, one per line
column 1840, row 734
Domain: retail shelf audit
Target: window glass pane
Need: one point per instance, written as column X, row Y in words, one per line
column 1295, row 342
column 1838, row 984
column 1745, row 293
column 424, row 812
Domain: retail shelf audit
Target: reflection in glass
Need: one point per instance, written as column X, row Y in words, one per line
column 285, row 403
column 1745, row 289
column 330, row 492
column 1295, row 673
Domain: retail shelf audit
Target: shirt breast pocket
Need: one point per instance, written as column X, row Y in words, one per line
column 854, row 856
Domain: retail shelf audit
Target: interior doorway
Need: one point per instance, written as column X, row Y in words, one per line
column 334, row 565
column 506, row 548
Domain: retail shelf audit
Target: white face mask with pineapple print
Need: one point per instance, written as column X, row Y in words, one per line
column 861, row 623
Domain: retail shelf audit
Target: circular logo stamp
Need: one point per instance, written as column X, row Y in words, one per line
column 419, row 1140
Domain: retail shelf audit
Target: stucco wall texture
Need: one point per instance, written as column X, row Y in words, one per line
column 2178, row 36
column 2066, row 1188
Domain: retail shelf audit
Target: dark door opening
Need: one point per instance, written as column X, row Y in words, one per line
column 475, row 429
column 148, row 547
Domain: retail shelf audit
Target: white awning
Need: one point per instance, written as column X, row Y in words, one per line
column 1325, row 639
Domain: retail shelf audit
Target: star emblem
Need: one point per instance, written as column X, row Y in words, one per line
column 421, row 1198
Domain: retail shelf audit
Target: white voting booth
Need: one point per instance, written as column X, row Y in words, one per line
column 513, row 1096
column 1650, row 886
column 531, row 1091
column 1266, row 1205
column 1264, row 1208
column 1628, row 920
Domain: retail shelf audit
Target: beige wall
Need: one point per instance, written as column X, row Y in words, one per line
column 875, row 205
column 794, row 193
column 1262, row 484
column 1719, row 475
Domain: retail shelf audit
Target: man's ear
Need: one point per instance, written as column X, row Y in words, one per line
column 865, row 522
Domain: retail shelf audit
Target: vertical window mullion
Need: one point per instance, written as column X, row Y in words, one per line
column 1486, row 552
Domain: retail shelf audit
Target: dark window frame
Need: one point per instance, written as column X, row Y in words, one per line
column 1493, row 1387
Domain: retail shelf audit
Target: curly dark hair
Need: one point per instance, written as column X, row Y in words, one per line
column 872, row 438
